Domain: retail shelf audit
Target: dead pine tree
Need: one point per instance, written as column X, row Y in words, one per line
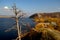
column 18, row 15
column 17, row 21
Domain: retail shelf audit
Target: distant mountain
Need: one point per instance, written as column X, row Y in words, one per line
column 6, row 16
column 53, row 14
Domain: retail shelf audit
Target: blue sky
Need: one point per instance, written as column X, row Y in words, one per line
column 30, row 6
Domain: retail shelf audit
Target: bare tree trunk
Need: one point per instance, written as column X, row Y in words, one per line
column 17, row 24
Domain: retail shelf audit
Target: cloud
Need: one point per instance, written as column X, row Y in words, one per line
column 58, row 8
column 6, row 7
column 6, row 11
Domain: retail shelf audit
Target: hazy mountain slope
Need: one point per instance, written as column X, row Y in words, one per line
column 53, row 14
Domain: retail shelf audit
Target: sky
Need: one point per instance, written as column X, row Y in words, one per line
column 29, row 6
